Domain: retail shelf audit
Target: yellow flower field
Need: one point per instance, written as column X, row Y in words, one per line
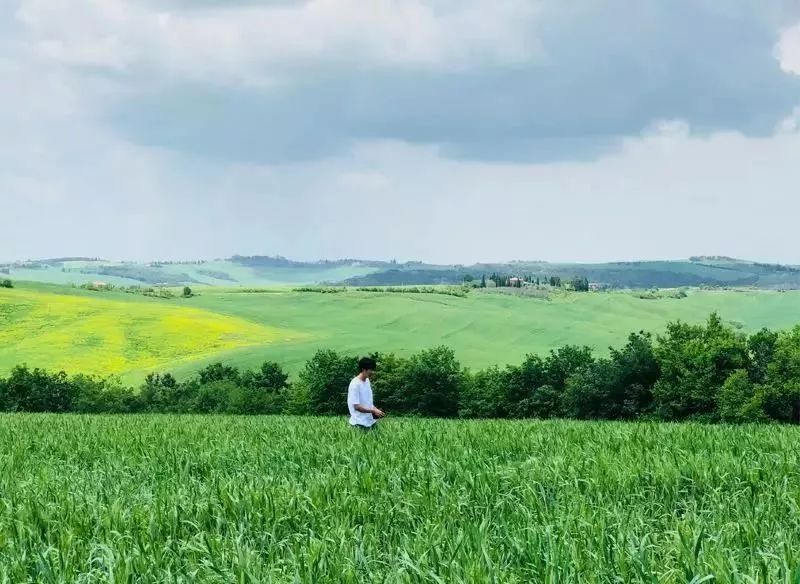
column 92, row 334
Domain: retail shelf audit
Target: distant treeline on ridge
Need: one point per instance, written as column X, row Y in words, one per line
column 716, row 271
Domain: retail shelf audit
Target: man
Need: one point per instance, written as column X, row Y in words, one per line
column 363, row 413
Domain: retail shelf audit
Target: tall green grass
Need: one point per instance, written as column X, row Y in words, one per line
column 226, row 499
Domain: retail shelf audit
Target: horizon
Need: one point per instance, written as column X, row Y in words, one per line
column 691, row 259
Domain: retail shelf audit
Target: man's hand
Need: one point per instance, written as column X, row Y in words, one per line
column 376, row 413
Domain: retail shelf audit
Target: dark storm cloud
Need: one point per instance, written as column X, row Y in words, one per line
column 609, row 69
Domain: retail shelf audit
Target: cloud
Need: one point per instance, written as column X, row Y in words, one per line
column 788, row 50
column 599, row 72
column 366, row 180
column 255, row 43
column 175, row 128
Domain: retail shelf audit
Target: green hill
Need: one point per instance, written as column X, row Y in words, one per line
column 128, row 334
column 699, row 271
column 230, row 272
column 254, row 271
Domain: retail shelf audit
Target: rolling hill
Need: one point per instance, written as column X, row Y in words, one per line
column 255, row 271
column 78, row 330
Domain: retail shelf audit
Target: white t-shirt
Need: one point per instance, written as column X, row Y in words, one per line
column 360, row 392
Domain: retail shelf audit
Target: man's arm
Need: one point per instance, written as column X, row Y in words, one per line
column 354, row 398
column 365, row 410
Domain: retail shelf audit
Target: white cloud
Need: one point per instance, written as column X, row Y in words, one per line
column 790, row 124
column 668, row 193
column 258, row 42
column 69, row 184
column 367, row 180
column 788, row 50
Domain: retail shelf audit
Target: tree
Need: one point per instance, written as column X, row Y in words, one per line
column 483, row 395
column 536, row 387
column 262, row 391
column 324, row 380
column 163, row 393
column 761, row 346
column 565, row 361
column 389, row 384
column 696, row 360
column 781, row 387
column 36, row 390
column 218, row 372
column 218, row 396
column 432, row 381
column 739, row 399
column 187, row 292
column 483, row 280
column 95, row 395
column 521, row 383
column 270, row 376
column 619, row 387
column 580, row 284
column 6, row 283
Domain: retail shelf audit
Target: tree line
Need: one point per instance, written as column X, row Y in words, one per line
column 578, row 283
column 709, row 372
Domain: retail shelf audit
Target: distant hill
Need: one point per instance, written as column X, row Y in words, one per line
column 698, row 271
column 248, row 271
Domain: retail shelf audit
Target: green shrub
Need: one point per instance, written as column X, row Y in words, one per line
column 695, row 361
column 324, row 380
column 432, row 380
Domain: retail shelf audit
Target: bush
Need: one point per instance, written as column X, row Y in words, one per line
column 739, row 399
column 620, row 387
column 6, row 283
column 782, row 380
column 162, row 393
column 36, row 391
column 324, row 381
column 389, row 383
column 218, row 372
column 215, row 397
column 431, row 383
column 761, row 346
column 262, row 391
column 521, row 382
column 696, row 360
column 94, row 395
column 483, row 395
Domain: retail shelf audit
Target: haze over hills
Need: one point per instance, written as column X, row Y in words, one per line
column 248, row 271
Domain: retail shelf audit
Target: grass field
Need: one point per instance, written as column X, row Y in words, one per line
column 227, row 499
column 110, row 332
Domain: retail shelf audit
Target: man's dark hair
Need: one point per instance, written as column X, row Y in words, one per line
column 366, row 363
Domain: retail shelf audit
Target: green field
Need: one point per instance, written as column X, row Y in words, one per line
column 128, row 334
column 274, row 499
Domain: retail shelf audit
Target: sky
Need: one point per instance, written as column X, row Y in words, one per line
column 450, row 131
